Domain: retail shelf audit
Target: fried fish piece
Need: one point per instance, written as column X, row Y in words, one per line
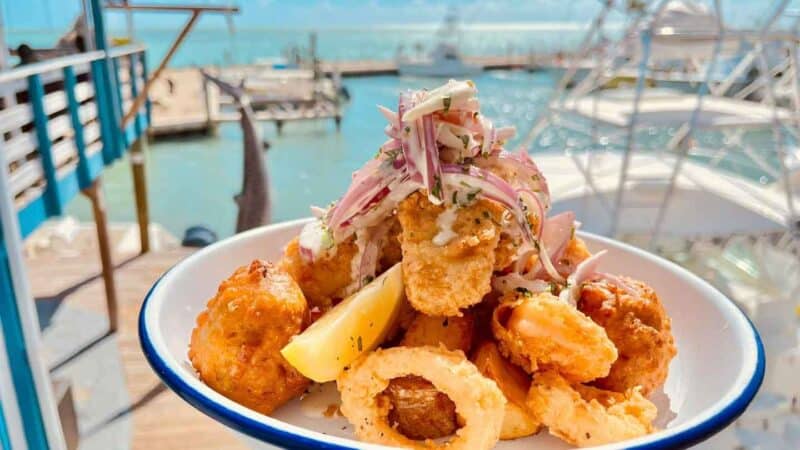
column 640, row 328
column 236, row 344
column 441, row 280
column 325, row 280
column 418, row 409
column 587, row 416
column 518, row 420
column 537, row 331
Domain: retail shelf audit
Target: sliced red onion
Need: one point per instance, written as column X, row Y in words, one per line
column 390, row 115
column 528, row 174
column 448, row 97
column 621, row 283
column 433, row 169
column 491, row 187
column 515, row 281
column 488, row 134
column 583, row 273
column 318, row 212
column 505, row 133
column 556, row 233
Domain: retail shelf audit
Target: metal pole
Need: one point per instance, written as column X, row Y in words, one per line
column 684, row 143
column 142, row 97
column 630, row 143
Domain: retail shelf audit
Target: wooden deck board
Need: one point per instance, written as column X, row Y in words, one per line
column 160, row 419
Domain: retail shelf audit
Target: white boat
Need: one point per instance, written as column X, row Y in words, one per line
column 444, row 60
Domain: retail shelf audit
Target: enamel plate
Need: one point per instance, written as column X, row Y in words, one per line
column 719, row 367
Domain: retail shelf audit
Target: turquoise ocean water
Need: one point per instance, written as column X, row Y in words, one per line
column 193, row 180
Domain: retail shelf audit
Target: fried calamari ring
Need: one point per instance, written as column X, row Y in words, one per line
column 478, row 400
column 587, row 416
column 540, row 331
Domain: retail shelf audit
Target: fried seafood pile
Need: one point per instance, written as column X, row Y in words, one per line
column 507, row 327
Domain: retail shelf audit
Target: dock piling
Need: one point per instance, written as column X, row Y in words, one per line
column 95, row 195
column 137, row 159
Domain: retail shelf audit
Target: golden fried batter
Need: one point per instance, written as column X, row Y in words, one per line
column 541, row 331
column 236, row 345
column 418, row 409
column 478, row 400
column 442, row 279
column 586, row 416
column 640, row 329
column 455, row 333
column 323, row 281
column 518, row 421
column 390, row 252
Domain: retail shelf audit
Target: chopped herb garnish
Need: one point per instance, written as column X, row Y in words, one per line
column 471, row 195
column 486, row 215
column 408, row 129
column 437, row 187
column 455, row 197
column 360, row 347
column 368, row 279
column 446, row 102
column 465, row 140
column 523, row 290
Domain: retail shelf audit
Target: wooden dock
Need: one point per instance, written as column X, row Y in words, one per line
column 120, row 402
column 181, row 105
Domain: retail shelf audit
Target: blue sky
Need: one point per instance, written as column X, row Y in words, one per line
column 49, row 14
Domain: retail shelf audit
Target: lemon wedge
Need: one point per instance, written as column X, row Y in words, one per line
column 356, row 325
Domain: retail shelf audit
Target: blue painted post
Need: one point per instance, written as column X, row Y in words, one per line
column 70, row 81
column 111, row 98
column 138, row 121
column 36, row 93
column 148, row 105
column 105, row 117
column 117, row 89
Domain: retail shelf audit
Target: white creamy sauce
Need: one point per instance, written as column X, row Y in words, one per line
column 445, row 223
column 319, row 399
column 314, row 237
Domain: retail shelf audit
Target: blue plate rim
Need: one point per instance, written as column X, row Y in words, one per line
column 258, row 430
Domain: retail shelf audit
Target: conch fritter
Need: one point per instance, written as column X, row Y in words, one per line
column 586, row 416
column 640, row 328
column 446, row 272
column 323, row 281
column 236, row 345
column 539, row 331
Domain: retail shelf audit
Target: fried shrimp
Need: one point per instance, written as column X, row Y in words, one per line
column 445, row 272
column 236, row 345
column 518, row 420
column 418, row 409
column 640, row 328
column 324, row 280
column 478, row 400
column 540, row 331
column 586, row 416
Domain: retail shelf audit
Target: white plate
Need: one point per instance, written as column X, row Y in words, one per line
column 719, row 367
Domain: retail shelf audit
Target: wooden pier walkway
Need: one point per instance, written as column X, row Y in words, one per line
column 120, row 402
column 180, row 104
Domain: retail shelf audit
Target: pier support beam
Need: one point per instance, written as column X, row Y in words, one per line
column 95, row 195
column 137, row 158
